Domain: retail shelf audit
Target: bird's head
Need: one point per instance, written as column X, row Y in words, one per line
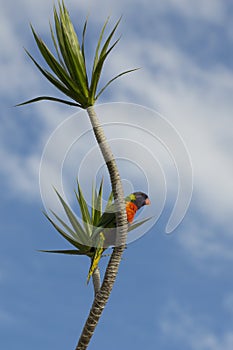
column 139, row 199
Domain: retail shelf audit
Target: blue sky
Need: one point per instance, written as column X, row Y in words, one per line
column 173, row 291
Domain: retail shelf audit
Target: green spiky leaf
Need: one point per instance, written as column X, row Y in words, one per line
column 69, row 73
column 96, row 57
column 49, row 98
column 56, row 67
column 100, row 58
column 66, row 252
column 137, row 224
column 83, row 237
column 113, row 79
column 98, row 205
column 86, row 218
column 63, row 233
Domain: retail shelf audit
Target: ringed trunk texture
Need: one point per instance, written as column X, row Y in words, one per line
column 102, row 296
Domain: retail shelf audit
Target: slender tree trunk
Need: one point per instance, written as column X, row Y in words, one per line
column 103, row 294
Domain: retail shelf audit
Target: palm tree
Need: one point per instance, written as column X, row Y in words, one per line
column 68, row 73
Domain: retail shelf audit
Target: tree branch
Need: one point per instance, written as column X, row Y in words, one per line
column 96, row 280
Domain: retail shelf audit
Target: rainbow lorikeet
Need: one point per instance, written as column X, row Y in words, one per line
column 106, row 238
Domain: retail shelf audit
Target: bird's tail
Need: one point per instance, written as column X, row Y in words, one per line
column 97, row 255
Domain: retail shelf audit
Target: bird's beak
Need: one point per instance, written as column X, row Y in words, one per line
column 147, row 201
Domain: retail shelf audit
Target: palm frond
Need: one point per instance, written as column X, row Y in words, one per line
column 66, row 252
column 100, row 58
column 67, row 66
column 49, row 98
column 112, row 80
column 137, row 224
column 63, row 233
column 86, row 218
column 78, row 228
column 98, row 205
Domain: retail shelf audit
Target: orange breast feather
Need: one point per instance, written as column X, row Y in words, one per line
column 131, row 210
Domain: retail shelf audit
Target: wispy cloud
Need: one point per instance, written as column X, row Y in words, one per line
column 213, row 11
column 20, row 174
column 198, row 102
column 187, row 330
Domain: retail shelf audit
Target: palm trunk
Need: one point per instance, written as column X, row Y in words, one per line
column 103, row 294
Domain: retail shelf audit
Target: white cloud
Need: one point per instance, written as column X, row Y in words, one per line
column 198, row 101
column 181, row 327
column 211, row 10
column 202, row 241
column 20, row 174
